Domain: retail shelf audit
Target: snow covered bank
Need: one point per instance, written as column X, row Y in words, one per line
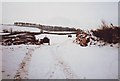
column 4, row 33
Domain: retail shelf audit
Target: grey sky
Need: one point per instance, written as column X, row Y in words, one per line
column 83, row 15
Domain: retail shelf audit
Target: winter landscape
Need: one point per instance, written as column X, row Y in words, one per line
column 64, row 58
column 39, row 51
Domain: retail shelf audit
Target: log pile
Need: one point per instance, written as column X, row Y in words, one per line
column 19, row 39
column 82, row 38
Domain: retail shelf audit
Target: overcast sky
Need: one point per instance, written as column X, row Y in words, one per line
column 85, row 15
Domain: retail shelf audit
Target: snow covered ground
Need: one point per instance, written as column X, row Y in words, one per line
column 18, row 28
column 62, row 59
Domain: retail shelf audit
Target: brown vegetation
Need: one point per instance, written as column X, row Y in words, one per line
column 108, row 33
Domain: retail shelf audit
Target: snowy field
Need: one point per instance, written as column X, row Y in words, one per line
column 62, row 59
column 18, row 28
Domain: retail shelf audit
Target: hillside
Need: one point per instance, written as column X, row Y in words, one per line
column 44, row 27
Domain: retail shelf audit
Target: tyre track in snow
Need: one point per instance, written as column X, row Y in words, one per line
column 22, row 71
column 60, row 63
